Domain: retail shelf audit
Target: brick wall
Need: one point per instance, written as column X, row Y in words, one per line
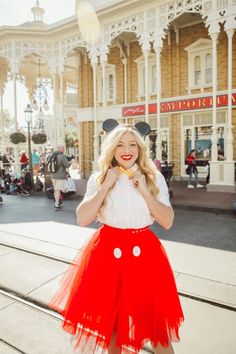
column 86, row 146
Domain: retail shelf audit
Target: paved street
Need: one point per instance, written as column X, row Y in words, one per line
column 190, row 227
column 34, row 237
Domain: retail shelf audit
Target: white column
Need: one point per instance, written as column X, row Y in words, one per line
column 158, row 75
column 145, row 52
column 214, row 153
column 61, row 112
column 94, row 66
column 221, row 172
column 55, row 135
column 104, row 89
column 124, row 62
column 3, row 150
column 15, row 102
column 229, row 135
column 16, row 147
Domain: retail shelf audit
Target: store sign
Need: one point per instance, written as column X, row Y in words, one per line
column 181, row 105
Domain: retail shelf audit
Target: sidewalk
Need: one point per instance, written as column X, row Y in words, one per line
column 201, row 199
column 211, row 276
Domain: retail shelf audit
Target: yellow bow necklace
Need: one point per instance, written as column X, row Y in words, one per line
column 128, row 172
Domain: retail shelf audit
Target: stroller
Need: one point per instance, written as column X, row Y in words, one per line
column 167, row 171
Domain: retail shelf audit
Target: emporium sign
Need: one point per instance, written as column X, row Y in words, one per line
column 180, row 105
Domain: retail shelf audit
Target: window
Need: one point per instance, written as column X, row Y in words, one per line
column 208, row 68
column 111, row 86
column 110, row 75
column 154, row 78
column 196, row 133
column 197, row 70
column 152, row 75
column 200, row 64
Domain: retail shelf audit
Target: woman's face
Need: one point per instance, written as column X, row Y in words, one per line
column 126, row 151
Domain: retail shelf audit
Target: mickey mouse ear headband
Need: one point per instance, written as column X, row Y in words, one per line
column 142, row 127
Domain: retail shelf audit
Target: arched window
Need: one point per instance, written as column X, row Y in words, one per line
column 110, row 83
column 208, row 68
column 197, row 70
column 200, row 64
column 151, row 73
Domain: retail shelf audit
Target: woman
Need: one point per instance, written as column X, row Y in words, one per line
column 192, row 169
column 121, row 291
column 23, row 160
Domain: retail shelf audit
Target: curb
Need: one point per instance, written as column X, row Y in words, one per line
column 202, row 208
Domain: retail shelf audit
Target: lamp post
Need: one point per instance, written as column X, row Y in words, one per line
column 28, row 117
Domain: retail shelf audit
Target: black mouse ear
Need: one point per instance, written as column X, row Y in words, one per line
column 109, row 124
column 143, row 128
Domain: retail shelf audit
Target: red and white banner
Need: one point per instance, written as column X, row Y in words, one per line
column 180, row 105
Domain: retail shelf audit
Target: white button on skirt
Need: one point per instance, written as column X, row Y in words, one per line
column 136, row 251
column 117, row 252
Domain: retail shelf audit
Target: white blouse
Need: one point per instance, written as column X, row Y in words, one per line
column 126, row 207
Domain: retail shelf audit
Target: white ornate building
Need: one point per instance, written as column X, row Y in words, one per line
column 170, row 63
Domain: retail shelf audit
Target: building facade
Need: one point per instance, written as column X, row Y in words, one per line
column 169, row 63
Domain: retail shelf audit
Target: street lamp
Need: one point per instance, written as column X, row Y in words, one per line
column 28, row 117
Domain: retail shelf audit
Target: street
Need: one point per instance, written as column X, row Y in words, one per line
column 190, row 227
column 37, row 244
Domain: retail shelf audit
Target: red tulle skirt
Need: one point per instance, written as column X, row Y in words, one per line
column 120, row 282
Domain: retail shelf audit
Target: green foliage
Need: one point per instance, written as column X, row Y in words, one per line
column 39, row 138
column 71, row 141
column 17, row 138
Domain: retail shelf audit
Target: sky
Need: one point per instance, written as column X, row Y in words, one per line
column 16, row 12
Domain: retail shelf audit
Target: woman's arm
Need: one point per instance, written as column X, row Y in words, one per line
column 162, row 213
column 87, row 211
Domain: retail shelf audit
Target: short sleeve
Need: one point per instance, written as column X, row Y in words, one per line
column 163, row 195
column 91, row 185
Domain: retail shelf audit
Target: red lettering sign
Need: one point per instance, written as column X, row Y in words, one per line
column 181, row 105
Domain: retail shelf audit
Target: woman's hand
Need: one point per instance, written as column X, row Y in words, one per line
column 111, row 177
column 139, row 182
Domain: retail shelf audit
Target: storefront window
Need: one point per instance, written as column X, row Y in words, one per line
column 187, row 142
column 203, row 142
column 164, row 144
column 199, row 138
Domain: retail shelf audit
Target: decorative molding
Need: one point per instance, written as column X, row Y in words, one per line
column 149, row 25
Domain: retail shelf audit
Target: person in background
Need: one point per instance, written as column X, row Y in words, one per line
column 6, row 162
column 157, row 163
column 192, row 169
column 36, row 160
column 23, row 160
column 59, row 177
column 220, row 153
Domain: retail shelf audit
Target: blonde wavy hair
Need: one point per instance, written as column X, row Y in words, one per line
column 107, row 159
